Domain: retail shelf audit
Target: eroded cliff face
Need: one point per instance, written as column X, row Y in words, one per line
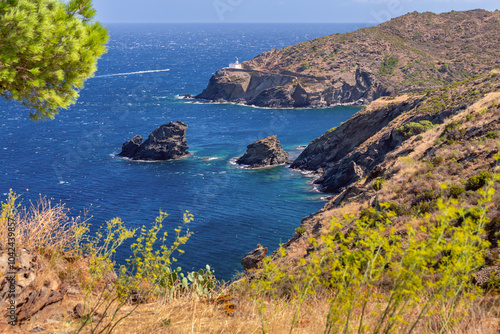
column 415, row 144
column 292, row 90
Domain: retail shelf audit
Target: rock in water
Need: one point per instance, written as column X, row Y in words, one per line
column 168, row 142
column 263, row 153
column 253, row 259
column 131, row 147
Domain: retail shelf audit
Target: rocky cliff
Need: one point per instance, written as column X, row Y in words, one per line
column 413, row 144
column 264, row 153
column 167, row 142
column 354, row 149
column 409, row 53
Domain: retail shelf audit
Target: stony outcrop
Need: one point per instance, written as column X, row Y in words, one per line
column 253, row 259
column 130, row 148
column 35, row 292
column 417, row 51
column 291, row 90
column 264, row 153
column 167, row 142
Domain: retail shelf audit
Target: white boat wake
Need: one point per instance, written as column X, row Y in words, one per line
column 131, row 73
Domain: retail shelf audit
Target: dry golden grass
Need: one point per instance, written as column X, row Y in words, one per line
column 42, row 226
column 194, row 316
column 384, row 102
column 191, row 314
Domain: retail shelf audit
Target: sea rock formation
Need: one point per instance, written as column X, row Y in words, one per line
column 253, row 259
column 167, row 142
column 130, row 148
column 416, row 51
column 263, row 153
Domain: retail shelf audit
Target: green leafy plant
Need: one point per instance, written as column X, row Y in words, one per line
column 426, row 271
column 203, row 282
column 49, row 48
column 300, row 230
column 149, row 268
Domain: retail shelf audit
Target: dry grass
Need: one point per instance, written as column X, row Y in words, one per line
column 42, row 227
column 384, row 102
column 193, row 315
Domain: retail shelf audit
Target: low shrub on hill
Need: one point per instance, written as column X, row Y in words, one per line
column 388, row 66
column 414, row 128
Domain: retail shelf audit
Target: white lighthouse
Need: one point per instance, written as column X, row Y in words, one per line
column 235, row 65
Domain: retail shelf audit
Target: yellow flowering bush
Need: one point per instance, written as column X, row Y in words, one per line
column 381, row 280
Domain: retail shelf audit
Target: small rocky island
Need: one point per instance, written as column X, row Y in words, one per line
column 167, row 142
column 264, row 153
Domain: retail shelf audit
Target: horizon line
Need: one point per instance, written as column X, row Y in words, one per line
column 212, row 22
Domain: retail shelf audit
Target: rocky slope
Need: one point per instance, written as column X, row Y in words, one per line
column 167, row 142
column 409, row 53
column 412, row 144
column 355, row 148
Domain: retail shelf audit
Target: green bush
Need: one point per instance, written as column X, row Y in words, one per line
column 330, row 130
column 413, row 128
column 377, row 184
column 388, row 66
column 492, row 135
column 304, row 65
column 384, row 280
column 476, row 182
column 455, row 191
column 300, row 230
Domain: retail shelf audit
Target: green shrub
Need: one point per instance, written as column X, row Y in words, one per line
column 300, row 230
column 413, row 128
column 388, row 66
column 455, row 191
column 383, row 280
column 476, row 182
column 492, row 135
column 330, row 130
column 377, row 185
column 304, row 65
column 425, row 207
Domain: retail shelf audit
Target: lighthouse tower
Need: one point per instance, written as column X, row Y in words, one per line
column 235, row 65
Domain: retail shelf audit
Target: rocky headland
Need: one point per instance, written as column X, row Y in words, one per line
column 167, row 142
column 411, row 144
column 265, row 152
column 410, row 53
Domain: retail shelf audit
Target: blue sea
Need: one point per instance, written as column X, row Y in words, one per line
column 72, row 159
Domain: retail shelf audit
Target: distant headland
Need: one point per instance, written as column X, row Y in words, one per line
column 413, row 52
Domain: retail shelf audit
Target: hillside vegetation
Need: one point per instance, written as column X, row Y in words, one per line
column 412, row 52
column 417, row 51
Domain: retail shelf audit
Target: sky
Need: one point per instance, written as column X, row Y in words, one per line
column 279, row 11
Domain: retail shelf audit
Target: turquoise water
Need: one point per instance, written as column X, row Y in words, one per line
column 72, row 158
